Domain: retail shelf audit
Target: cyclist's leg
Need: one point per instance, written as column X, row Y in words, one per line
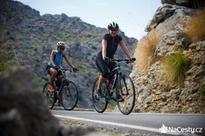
column 104, row 70
column 53, row 73
column 101, row 80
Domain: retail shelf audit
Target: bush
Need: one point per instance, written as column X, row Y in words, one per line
column 174, row 67
column 196, row 27
column 6, row 65
column 145, row 50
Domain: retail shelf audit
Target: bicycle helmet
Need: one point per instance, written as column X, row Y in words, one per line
column 60, row 44
column 113, row 26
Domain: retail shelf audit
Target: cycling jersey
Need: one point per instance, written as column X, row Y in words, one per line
column 112, row 44
column 58, row 58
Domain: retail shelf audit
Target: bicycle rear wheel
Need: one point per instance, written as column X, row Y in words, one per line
column 100, row 104
column 50, row 97
column 69, row 95
column 127, row 91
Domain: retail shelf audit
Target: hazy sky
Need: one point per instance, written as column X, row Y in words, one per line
column 131, row 15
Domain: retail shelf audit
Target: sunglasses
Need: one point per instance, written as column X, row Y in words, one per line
column 62, row 48
column 114, row 30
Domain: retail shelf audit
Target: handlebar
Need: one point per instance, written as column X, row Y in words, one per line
column 65, row 69
column 122, row 60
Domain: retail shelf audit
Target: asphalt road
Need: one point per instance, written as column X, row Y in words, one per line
column 175, row 124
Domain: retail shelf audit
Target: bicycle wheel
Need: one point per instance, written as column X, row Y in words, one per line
column 100, row 104
column 127, row 91
column 50, row 97
column 69, row 95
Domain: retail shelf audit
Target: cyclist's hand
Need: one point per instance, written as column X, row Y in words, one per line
column 132, row 59
column 74, row 69
column 56, row 67
column 107, row 60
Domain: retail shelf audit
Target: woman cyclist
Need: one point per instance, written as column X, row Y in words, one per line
column 109, row 44
column 56, row 59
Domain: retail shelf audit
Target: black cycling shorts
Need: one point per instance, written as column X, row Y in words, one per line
column 104, row 68
column 59, row 73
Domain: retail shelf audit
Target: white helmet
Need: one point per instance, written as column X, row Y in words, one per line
column 60, row 44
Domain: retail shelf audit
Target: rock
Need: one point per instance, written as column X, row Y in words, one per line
column 165, row 96
column 161, row 14
column 168, row 1
column 23, row 109
column 168, row 17
column 172, row 42
column 11, row 124
column 186, row 3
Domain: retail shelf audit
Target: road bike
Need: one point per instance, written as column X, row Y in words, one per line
column 66, row 91
column 119, row 84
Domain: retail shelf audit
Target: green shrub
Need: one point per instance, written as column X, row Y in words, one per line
column 6, row 65
column 174, row 67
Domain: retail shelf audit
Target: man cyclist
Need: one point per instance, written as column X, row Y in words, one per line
column 56, row 59
column 109, row 45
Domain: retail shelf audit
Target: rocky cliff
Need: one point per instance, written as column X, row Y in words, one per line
column 169, row 74
column 27, row 38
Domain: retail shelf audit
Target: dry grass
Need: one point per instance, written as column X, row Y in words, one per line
column 174, row 67
column 145, row 50
column 196, row 27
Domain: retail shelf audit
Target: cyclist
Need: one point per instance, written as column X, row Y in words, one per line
column 109, row 46
column 56, row 59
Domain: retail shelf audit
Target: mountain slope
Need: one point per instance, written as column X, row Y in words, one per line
column 27, row 38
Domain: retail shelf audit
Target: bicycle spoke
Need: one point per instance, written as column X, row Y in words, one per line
column 49, row 96
column 100, row 104
column 69, row 96
column 127, row 92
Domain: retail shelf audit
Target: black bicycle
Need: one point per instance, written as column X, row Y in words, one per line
column 119, row 84
column 66, row 91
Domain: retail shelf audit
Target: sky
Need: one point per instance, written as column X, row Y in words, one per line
column 131, row 15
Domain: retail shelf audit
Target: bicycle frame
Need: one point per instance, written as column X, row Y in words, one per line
column 62, row 79
column 116, row 71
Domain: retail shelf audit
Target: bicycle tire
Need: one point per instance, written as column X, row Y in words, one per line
column 50, row 97
column 96, row 106
column 128, row 101
column 69, row 95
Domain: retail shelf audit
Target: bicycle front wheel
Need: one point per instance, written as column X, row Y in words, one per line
column 69, row 95
column 100, row 104
column 127, row 90
column 50, row 97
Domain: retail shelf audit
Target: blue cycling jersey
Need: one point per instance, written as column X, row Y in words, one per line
column 58, row 58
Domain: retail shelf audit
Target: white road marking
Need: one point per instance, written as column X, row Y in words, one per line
column 110, row 123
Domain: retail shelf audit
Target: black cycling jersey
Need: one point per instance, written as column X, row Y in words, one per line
column 112, row 44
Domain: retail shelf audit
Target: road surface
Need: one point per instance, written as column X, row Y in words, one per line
column 175, row 124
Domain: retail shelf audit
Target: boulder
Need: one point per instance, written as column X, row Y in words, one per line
column 23, row 108
column 169, row 17
column 172, row 42
column 186, row 3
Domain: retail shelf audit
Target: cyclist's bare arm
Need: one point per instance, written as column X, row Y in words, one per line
column 67, row 61
column 104, row 48
column 52, row 58
column 125, row 49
